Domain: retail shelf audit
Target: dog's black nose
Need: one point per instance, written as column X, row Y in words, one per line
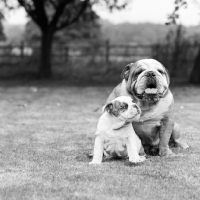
column 150, row 74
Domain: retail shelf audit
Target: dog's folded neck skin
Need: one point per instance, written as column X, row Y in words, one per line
column 145, row 104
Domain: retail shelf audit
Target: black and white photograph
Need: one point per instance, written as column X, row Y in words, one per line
column 99, row 99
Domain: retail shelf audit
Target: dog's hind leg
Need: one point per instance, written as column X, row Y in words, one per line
column 175, row 138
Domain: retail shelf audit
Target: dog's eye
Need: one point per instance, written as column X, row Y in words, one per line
column 138, row 73
column 124, row 106
column 160, row 71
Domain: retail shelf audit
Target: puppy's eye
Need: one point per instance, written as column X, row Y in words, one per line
column 124, row 106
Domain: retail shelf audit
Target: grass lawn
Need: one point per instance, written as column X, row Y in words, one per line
column 45, row 135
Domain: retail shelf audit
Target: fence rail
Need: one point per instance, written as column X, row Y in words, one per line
column 100, row 52
column 105, row 52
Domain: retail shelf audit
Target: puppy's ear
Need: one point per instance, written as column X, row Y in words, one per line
column 126, row 71
column 108, row 108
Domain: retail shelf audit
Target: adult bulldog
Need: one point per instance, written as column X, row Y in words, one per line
column 147, row 82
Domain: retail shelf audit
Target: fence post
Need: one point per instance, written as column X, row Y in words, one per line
column 107, row 51
column 22, row 50
column 66, row 54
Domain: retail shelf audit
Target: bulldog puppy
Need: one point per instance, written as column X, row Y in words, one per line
column 147, row 83
column 115, row 136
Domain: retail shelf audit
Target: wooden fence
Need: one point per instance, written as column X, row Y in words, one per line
column 173, row 58
column 106, row 52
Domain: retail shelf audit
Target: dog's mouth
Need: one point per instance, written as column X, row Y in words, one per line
column 151, row 87
column 151, row 91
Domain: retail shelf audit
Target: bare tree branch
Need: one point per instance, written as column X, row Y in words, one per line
column 172, row 18
column 41, row 13
column 58, row 13
column 76, row 18
column 53, row 3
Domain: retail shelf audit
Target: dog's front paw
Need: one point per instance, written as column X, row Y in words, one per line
column 182, row 145
column 95, row 162
column 137, row 159
column 165, row 152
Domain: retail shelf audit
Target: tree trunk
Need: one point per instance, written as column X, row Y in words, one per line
column 45, row 70
column 195, row 75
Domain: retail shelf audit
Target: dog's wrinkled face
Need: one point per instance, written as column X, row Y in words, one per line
column 147, row 79
column 124, row 108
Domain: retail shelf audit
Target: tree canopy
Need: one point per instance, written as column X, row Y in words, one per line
column 82, row 30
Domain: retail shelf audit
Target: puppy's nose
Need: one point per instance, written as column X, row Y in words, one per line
column 150, row 74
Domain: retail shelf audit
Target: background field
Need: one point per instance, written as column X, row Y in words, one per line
column 47, row 130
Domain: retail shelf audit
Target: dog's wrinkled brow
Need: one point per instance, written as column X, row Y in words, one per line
column 139, row 69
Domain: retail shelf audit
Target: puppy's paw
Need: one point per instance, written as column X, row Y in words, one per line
column 95, row 162
column 137, row 159
column 142, row 158
column 165, row 152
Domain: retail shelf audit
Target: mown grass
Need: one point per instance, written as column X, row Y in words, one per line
column 46, row 133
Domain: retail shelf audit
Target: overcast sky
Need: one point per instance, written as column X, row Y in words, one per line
column 154, row 11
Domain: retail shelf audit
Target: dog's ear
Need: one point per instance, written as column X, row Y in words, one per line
column 167, row 75
column 126, row 71
column 109, row 107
